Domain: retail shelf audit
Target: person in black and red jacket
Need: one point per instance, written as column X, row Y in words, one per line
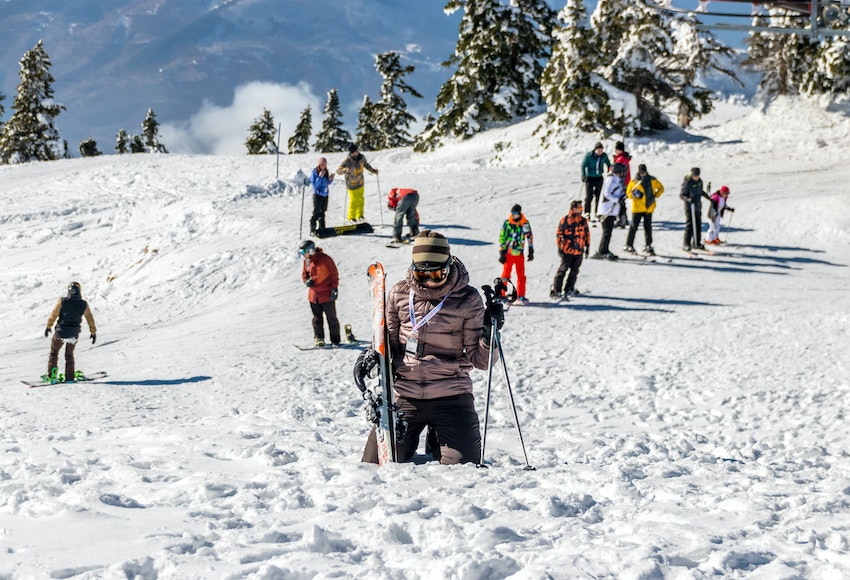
column 320, row 275
column 573, row 238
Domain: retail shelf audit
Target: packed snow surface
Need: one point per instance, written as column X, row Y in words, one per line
column 685, row 419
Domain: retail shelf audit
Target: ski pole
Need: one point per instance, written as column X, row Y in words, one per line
column 694, row 225
column 489, row 384
column 380, row 199
column 498, row 339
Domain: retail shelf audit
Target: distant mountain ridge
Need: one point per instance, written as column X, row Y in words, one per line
column 112, row 61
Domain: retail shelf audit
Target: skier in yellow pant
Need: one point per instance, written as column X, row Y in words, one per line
column 352, row 167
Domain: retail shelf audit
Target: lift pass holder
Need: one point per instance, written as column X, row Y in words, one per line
column 414, row 347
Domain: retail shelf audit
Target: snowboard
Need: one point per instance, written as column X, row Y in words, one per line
column 348, row 229
column 84, row 379
column 381, row 408
column 357, row 344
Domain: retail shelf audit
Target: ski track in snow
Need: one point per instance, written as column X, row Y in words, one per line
column 685, row 419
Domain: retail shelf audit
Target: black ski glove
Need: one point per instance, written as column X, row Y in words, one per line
column 637, row 194
column 494, row 312
column 530, row 253
column 732, row 209
column 93, row 338
column 46, row 332
column 334, row 294
column 587, row 252
column 503, row 256
column 366, row 363
column 309, row 282
column 583, row 178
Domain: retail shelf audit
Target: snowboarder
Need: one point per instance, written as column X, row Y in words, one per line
column 439, row 330
column 320, row 179
column 573, row 238
column 404, row 201
column 352, row 167
column 67, row 315
column 621, row 156
column 593, row 169
column 718, row 207
column 612, row 191
column 515, row 231
column 320, row 275
column 642, row 191
column 692, row 194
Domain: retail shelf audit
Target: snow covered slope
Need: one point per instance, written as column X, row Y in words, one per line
column 686, row 419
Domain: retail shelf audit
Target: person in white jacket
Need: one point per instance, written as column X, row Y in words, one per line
column 609, row 207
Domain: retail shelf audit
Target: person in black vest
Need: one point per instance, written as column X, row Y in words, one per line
column 692, row 194
column 67, row 315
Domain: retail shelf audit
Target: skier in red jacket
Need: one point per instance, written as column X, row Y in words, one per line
column 320, row 275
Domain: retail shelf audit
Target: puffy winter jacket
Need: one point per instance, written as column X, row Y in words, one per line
column 353, row 167
column 637, row 192
column 625, row 159
column 320, row 181
column 450, row 344
column 612, row 191
column 692, row 191
column 320, row 268
column 573, row 235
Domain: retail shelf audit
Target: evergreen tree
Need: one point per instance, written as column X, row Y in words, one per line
column 697, row 52
column 783, row 59
column 137, row 145
column 573, row 91
column 369, row 136
column 150, row 131
column 390, row 115
column 2, row 110
column 300, row 140
column 30, row 134
column 122, row 142
column 262, row 135
column 499, row 59
column 88, row 148
column 332, row 137
column 830, row 72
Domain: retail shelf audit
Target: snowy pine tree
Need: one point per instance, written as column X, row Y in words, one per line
column 369, row 136
column 830, row 73
column 332, row 137
column 30, row 134
column 499, row 59
column 300, row 140
column 572, row 90
column 783, row 59
column 150, row 132
column 137, row 145
column 696, row 53
column 262, row 135
column 390, row 115
column 88, row 148
column 122, row 142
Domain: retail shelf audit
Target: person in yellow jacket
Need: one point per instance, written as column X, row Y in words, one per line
column 67, row 315
column 352, row 167
column 642, row 190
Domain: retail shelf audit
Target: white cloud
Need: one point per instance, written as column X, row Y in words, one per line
column 223, row 130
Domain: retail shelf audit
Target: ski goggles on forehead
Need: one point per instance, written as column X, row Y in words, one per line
column 430, row 273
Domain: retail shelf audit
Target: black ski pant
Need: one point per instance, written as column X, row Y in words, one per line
column 328, row 309
column 454, row 421
column 571, row 263
column 593, row 187
column 52, row 360
column 607, row 228
column 622, row 219
column 320, row 206
column 406, row 208
column 693, row 224
column 647, row 228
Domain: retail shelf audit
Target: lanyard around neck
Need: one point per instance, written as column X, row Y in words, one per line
column 429, row 316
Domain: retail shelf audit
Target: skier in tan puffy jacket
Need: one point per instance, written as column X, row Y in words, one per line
column 438, row 332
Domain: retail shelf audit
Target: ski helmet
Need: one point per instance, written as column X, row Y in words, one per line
column 307, row 247
column 618, row 169
column 74, row 290
column 724, row 190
